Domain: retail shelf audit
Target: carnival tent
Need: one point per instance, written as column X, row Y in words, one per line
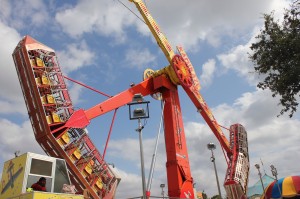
column 288, row 187
column 256, row 190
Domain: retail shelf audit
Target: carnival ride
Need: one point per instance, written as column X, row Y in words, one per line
column 60, row 130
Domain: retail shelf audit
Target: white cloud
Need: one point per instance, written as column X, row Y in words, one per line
column 140, row 59
column 128, row 183
column 270, row 138
column 132, row 182
column 75, row 91
column 208, row 70
column 132, row 152
column 12, row 107
column 13, row 136
column 10, row 100
column 75, row 56
column 238, row 60
column 107, row 18
column 196, row 21
column 193, row 22
column 9, row 82
column 16, row 137
column 5, row 9
column 34, row 12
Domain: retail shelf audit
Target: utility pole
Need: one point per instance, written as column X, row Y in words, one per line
column 262, row 184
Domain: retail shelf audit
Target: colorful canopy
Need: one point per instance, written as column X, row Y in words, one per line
column 285, row 187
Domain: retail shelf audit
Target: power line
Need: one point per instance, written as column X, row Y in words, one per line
column 132, row 11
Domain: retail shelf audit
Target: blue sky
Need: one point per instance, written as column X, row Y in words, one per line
column 104, row 45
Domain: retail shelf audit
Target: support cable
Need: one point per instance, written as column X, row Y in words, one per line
column 81, row 84
column 226, row 157
column 154, row 154
column 132, row 11
column 110, row 129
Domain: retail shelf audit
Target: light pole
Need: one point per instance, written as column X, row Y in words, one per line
column 211, row 146
column 274, row 173
column 162, row 186
column 262, row 184
column 139, row 130
column 140, row 113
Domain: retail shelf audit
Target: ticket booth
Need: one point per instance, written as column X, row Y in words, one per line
column 21, row 172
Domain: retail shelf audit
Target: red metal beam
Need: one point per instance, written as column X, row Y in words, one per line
column 180, row 181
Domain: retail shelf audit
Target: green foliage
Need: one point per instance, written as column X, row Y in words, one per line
column 276, row 56
column 204, row 195
column 216, row 197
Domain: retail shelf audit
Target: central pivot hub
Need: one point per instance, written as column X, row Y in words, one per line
column 182, row 71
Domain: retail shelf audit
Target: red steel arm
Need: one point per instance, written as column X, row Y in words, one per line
column 145, row 88
column 81, row 118
column 204, row 110
column 195, row 96
column 154, row 28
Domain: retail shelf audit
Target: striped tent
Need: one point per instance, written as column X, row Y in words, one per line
column 288, row 187
column 256, row 190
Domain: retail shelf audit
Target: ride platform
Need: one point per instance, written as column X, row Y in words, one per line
column 45, row 195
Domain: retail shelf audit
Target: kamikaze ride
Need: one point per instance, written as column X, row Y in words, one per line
column 60, row 130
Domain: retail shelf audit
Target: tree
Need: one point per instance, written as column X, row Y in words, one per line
column 204, row 195
column 216, row 197
column 276, row 57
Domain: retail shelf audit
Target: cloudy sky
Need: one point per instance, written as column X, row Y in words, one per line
column 106, row 46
